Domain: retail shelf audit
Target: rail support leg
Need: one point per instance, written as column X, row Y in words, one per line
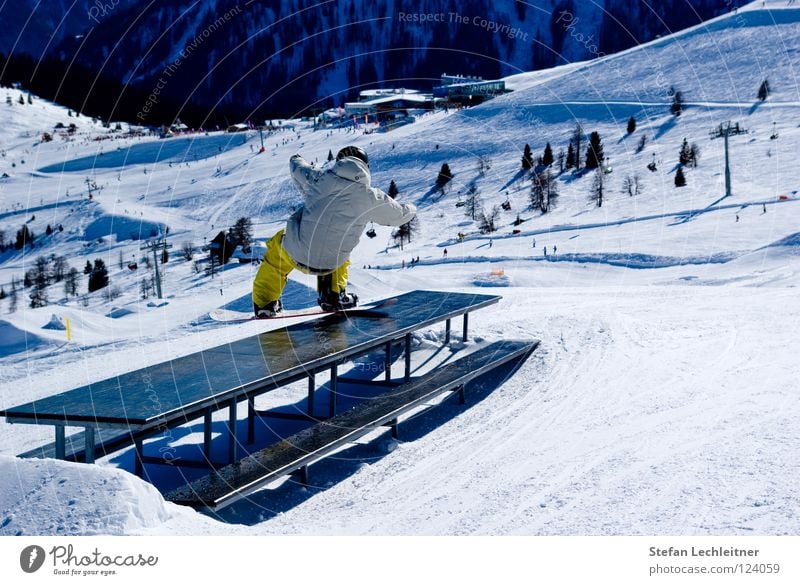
column 466, row 327
column 207, row 434
column 395, row 432
column 251, row 420
column 333, row 389
column 407, row 375
column 303, row 473
column 462, row 399
column 61, row 442
column 138, row 464
column 232, row 432
column 88, row 435
column 311, row 387
column 387, row 364
column 447, row 326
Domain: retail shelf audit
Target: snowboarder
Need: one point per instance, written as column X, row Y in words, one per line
column 339, row 202
column 445, row 252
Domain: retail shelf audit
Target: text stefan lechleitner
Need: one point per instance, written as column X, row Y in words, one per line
column 714, row 551
column 463, row 19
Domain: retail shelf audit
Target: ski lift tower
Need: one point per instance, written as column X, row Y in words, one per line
column 156, row 245
column 724, row 131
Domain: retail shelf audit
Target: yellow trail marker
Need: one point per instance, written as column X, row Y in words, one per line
column 69, row 331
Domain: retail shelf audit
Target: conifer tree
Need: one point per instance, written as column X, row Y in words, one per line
column 763, row 90
column 677, row 102
column 598, row 188
column 99, row 276
column 594, row 153
column 527, row 158
column 685, row 154
column 547, row 157
column 393, row 191
column 444, row 176
column 680, row 178
column 570, row 161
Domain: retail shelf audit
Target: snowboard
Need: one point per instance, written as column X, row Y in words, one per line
column 372, row 310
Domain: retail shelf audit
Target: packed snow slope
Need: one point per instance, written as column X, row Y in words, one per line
column 663, row 397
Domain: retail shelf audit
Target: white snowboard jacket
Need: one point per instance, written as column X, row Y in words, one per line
column 338, row 205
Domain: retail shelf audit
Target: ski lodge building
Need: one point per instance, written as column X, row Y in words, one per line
column 389, row 106
column 468, row 91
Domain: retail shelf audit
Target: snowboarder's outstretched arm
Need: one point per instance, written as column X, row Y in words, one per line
column 303, row 173
column 387, row 211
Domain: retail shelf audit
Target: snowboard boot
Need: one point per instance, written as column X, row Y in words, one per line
column 329, row 300
column 269, row 310
column 337, row 301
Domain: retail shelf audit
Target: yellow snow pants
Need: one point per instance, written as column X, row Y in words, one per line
column 274, row 272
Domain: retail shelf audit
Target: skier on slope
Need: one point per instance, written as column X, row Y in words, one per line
column 338, row 204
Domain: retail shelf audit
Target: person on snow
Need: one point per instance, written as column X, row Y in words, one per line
column 338, row 203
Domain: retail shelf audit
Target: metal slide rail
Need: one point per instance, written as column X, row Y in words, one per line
column 127, row 409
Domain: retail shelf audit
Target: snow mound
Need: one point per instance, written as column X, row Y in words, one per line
column 55, row 323
column 117, row 312
column 14, row 340
column 46, row 496
column 122, row 228
column 791, row 241
column 494, row 278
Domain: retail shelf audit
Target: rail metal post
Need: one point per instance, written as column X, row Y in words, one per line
column 138, row 454
column 387, row 364
column 61, row 442
column 311, row 387
column 88, row 442
column 251, row 420
column 232, row 431
column 207, row 434
column 333, row 384
column 407, row 375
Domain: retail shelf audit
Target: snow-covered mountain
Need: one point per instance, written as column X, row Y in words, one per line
column 265, row 58
column 661, row 401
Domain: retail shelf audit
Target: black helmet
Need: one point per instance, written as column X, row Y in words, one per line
column 353, row 151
